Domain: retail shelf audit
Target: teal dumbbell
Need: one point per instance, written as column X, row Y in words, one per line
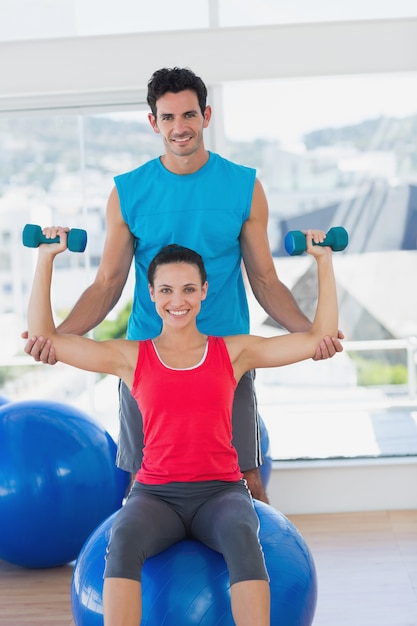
column 32, row 237
column 295, row 240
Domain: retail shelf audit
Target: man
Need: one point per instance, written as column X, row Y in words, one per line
column 197, row 199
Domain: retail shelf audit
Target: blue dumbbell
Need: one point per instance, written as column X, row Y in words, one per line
column 295, row 241
column 32, row 237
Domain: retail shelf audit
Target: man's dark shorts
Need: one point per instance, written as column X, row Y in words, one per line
column 245, row 420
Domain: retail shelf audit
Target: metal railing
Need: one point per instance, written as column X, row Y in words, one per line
column 408, row 344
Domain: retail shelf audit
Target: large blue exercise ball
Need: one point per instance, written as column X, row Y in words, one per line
column 188, row 584
column 58, row 482
column 291, row 569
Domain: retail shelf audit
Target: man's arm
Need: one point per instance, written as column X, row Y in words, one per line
column 273, row 296
column 100, row 297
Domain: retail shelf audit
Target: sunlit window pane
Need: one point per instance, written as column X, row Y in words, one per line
column 247, row 12
column 67, row 18
column 318, row 143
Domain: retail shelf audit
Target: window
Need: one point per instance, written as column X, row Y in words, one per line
column 68, row 18
column 247, row 12
column 337, row 151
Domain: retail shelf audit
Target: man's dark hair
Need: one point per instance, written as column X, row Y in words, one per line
column 176, row 254
column 174, row 80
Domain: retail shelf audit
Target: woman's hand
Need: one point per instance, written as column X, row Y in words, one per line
column 314, row 236
column 51, row 232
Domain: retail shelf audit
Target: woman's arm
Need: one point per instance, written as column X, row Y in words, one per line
column 109, row 357
column 249, row 352
column 100, row 297
column 271, row 293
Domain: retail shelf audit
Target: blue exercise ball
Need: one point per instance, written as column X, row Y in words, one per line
column 188, row 584
column 266, row 467
column 58, row 481
column 291, row 569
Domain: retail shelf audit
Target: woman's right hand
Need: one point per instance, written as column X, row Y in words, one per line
column 314, row 236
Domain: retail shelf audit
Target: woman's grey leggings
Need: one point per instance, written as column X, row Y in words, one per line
column 219, row 514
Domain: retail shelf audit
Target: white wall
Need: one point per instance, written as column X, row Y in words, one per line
column 116, row 68
column 339, row 486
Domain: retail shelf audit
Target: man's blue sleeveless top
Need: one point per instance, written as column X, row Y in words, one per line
column 203, row 211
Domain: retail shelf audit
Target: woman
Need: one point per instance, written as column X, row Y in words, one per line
column 189, row 484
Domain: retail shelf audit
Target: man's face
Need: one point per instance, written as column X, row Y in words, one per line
column 180, row 122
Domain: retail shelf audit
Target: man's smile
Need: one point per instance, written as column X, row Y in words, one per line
column 183, row 139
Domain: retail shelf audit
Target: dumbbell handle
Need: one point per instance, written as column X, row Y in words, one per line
column 295, row 240
column 32, row 237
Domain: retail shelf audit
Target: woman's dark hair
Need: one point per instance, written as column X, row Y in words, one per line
column 174, row 80
column 176, row 254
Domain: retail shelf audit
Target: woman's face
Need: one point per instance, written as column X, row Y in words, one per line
column 178, row 292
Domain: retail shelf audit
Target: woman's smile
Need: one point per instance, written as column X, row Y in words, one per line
column 178, row 313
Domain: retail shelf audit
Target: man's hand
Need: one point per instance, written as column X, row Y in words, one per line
column 40, row 349
column 328, row 347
